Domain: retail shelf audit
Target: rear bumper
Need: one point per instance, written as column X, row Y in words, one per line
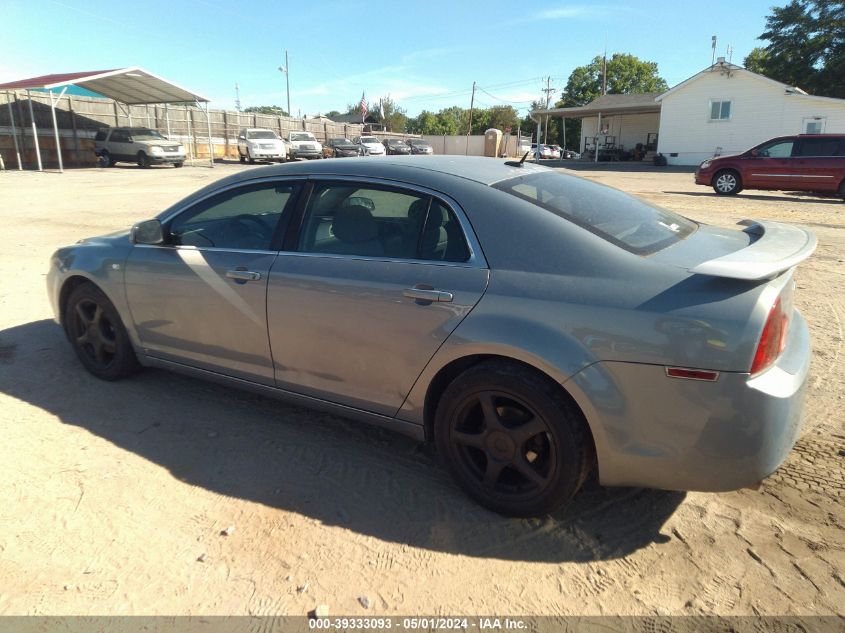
column 660, row 432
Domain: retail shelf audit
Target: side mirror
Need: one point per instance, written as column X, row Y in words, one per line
column 147, row 232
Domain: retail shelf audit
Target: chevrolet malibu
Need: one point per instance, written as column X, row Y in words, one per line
column 532, row 324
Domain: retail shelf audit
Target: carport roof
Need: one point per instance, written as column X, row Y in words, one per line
column 609, row 104
column 131, row 86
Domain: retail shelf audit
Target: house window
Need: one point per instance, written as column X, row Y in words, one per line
column 814, row 125
column 720, row 110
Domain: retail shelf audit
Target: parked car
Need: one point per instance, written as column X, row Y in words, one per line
column 565, row 153
column 140, row 145
column 396, row 146
column 419, row 146
column 370, row 144
column 544, row 151
column 340, row 148
column 605, row 331
column 262, row 144
column 305, row 145
column 807, row 162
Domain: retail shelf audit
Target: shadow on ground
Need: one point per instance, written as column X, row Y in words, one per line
column 341, row 473
column 787, row 196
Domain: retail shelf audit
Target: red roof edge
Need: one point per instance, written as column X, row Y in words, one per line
column 47, row 80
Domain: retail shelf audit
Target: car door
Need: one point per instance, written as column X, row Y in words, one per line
column 200, row 298
column 120, row 146
column 820, row 162
column 375, row 281
column 772, row 167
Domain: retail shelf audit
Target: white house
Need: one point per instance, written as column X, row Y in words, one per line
column 726, row 109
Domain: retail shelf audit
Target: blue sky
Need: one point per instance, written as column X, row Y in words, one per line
column 424, row 55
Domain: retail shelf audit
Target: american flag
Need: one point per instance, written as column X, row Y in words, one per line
column 363, row 107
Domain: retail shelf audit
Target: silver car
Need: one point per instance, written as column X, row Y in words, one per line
column 533, row 325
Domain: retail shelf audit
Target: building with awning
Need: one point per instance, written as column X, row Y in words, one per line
column 126, row 86
column 614, row 123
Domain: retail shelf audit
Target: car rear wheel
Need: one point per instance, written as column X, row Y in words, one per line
column 108, row 160
column 98, row 335
column 727, row 183
column 512, row 440
column 143, row 160
column 241, row 157
column 842, row 190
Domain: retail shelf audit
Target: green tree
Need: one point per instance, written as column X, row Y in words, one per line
column 395, row 118
column 806, row 46
column 333, row 113
column 757, row 60
column 626, row 74
column 274, row 110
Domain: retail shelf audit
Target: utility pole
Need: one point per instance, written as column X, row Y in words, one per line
column 548, row 90
column 286, row 70
column 237, row 98
column 713, row 46
column 469, row 129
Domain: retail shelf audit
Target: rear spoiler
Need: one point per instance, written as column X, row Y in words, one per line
column 779, row 247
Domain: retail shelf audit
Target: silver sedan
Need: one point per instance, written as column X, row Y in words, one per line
column 532, row 324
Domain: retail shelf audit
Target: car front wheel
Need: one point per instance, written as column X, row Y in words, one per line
column 143, row 160
column 98, row 335
column 512, row 439
column 727, row 183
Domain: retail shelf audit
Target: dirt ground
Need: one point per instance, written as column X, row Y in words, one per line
column 116, row 496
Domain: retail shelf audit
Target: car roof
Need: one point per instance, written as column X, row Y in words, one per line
column 412, row 169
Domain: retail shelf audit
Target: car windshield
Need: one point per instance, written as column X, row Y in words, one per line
column 632, row 224
column 261, row 134
column 302, row 136
column 419, row 143
column 395, row 141
column 146, row 135
column 340, row 141
column 369, row 139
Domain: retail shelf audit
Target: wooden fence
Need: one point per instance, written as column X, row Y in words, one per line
column 79, row 118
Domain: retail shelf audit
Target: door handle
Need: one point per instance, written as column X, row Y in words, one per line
column 243, row 275
column 428, row 295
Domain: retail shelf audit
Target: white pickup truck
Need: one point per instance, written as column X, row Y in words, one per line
column 305, row 145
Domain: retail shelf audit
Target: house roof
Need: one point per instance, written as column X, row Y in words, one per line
column 352, row 118
column 727, row 68
column 132, row 85
column 642, row 103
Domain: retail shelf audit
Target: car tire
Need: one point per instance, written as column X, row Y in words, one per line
column 108, row 159
column 512, row 439
column 842, row 190
column 177, row 165
column 249, row 158
column 143, row 160
column 727, row 182
column 241, row 158
column 97, row 334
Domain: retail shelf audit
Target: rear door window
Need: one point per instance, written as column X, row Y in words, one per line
column 628, row 222
column 822, row 147
column 366, row 221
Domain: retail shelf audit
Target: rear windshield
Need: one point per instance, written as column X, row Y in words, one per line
column 621, row 219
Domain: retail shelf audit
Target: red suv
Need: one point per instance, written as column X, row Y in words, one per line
column 808, row 162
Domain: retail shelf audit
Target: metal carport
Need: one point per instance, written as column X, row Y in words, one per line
column 127, row 86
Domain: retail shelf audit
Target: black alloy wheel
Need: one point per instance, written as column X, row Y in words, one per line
column 98, row 335
column 512, row 440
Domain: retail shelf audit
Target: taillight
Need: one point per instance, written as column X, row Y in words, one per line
column 773, row 338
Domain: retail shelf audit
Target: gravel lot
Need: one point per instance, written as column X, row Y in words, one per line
column 117, row 497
